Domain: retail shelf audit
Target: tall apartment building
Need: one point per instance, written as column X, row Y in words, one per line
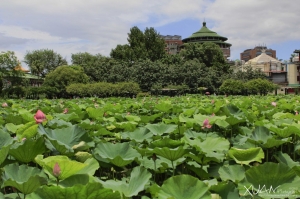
column 173, row 43
column 252, row 53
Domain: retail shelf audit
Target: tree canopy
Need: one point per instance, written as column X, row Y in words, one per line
column 141, row 45
column 63, row 76
column 41, row 62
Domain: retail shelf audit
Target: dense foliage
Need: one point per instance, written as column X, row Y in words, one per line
column 43, row 61
column 183, row 147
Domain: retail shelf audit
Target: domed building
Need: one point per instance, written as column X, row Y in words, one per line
column 206, row 35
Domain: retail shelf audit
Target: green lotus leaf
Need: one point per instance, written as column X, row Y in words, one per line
column 56, row 123
column 95, row 113
column 68, row 167
column 75, row 180
column 225, row 190
column 164, row 107
column 139, row 177
column 232, row 110
column 285, row 159
column 260, row 135
column 139, row 135
column 270, row 180
column 148, row 119
column 245, row 156
column 119, row 154
column 183, row 187
column 133, row 118
column 214, row 148
column 82, row 156
column 62, row 139
column 285, row 132
column 166, row 142
column 25, row 151
column 15, row 119
column 67, row 117
column 28, row 130
column 12, row 127
column 5, row 142
column 160, row 129
column 235, row 173
column 91, row 190
column 26, row 115
column 222, row 123
column 170, row 154
column 127, row 126
column 232, row 120
column 272, row 142
column 24, row 178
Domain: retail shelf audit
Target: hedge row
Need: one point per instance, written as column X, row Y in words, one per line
column 104, row 89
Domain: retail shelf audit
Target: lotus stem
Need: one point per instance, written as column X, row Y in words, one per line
column 173, row 167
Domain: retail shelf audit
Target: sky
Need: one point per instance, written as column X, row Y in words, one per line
column 97, row 26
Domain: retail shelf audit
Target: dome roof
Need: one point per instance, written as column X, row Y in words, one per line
column 261, row 59
column 203, row 34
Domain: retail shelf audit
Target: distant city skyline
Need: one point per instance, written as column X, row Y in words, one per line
column 98, row 26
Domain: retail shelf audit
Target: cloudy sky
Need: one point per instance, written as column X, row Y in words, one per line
column 97, row 26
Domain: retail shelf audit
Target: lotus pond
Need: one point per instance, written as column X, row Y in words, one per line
column 188, row 147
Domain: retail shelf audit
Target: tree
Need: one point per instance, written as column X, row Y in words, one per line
column 141, row 45
column 8, row 72
column 208, row 53
column 63, row 76
column 41, row 62
column 261, row 86
column 249, row 74
column 232, row 87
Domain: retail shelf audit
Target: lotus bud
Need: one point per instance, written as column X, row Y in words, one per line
column 273, row 103
column 4, row 105
column 39, row 117
column 56, row 170
column 65, row 111
column 154, row 157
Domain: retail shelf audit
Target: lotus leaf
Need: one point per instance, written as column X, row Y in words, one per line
column 68, row 167
column 139, row 177
column 24, row 178
column 139, row 135
column 270, row 180
column 225, row 190
column 235, row 173
column 160, row 129
column 91, row 190
column 5, row 142
column 119, row 154
column 245, row 156
column 25, row 151
column 183, row 187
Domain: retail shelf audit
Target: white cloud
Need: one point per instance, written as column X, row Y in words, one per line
column 97, row 26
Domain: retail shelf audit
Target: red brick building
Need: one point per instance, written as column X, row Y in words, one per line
column 173, row 43
column 252, row 53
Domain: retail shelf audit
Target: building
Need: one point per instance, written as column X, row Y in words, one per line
column 252, row 53
column 274, row 69
column 173, row 43
column 206, row 35
column 294, row 74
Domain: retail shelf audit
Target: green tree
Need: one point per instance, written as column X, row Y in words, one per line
column 232, row 87
column 249, row 74
column 63, row 76
column 261, row 86
column 8, row 72
column 41, row 62
column 141, row 45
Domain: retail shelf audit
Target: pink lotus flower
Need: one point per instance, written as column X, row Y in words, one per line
column 296, row 113
column 56, row 170
column 39, row 117
column 4, row 105
column 23, row 139
column 206, row 124
column 273, row 103
column 128, row 113
column 65, row 111
column 212, row 101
